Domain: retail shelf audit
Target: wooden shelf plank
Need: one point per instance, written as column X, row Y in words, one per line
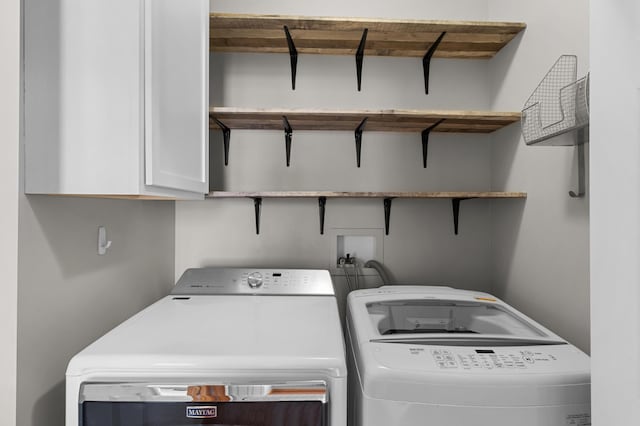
column 378, row 120
column 322, row 196
column 341, row 36
column 346, row 194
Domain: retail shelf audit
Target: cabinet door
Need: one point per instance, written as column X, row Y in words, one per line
column 176, row 74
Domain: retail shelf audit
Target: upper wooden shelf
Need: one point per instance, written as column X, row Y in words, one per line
column 341, row 36
column 377, row 120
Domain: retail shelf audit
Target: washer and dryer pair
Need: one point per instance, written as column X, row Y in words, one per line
column 264, row 347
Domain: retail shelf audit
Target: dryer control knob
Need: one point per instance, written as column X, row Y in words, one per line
column 254, row 279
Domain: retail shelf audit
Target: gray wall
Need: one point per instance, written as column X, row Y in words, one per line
column 69, row 296
column 499, row 248
column 541, row 252
column 421, row 247
column 9, row 143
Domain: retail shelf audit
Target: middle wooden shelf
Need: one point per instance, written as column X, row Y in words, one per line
column 382, row 120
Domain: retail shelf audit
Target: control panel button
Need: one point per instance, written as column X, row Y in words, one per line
column 254, row 279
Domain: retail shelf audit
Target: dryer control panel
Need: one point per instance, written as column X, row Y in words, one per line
column 238, row 281
column 489, row 359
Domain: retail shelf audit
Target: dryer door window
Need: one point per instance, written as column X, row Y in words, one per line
column 284, row 413
column 152, row 404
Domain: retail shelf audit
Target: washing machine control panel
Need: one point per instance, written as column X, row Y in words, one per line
column 254, row 281
column 489, row 359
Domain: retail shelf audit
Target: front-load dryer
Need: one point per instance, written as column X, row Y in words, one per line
column 254, row 347
column 438, row 356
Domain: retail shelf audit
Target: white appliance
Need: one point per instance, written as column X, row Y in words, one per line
column 229, row 346
column 444, row 357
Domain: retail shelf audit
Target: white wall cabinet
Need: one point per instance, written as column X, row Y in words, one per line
column 116, row 97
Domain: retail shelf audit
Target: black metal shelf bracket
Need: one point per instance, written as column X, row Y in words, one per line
column 288, row 134
column 360, row 57
column 358, row 133
column 293, row 54
column 425, row 141
column 455, row 203
column 226, row 133
column 387, row 214
column 581, row 166
column 426, row 60
column 257, row 205
column 322, row 203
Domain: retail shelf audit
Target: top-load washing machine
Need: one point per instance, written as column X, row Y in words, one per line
column 438, row 356
column 259, row 347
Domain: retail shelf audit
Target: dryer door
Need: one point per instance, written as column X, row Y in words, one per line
column 146, row 404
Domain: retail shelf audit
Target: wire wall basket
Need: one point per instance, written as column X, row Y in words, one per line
column 559, row 104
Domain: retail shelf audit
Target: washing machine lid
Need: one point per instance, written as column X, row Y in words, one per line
column 183, row 334
column 442, row 316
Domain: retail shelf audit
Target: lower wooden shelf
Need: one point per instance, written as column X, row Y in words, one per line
column 347, row 194
column 322, row 196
